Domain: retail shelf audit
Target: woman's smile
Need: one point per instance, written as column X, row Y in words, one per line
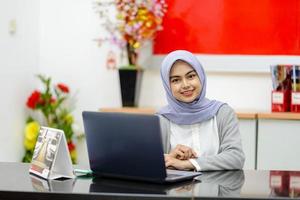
column 187, row 93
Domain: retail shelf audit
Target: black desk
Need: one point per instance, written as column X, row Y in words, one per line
column 16, row 183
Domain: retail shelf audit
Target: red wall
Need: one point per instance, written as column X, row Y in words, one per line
column 260, row 27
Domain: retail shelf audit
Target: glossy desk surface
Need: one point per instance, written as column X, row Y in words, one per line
column 17, row 183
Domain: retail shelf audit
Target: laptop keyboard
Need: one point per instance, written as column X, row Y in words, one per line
column 173, row 175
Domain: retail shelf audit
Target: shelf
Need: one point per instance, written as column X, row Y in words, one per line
column 279, row 116
column 240, row 115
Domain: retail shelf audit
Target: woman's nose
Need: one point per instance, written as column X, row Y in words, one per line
column 185, row 83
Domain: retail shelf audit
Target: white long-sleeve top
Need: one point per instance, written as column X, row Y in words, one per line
column 219, row 149
column 203, row 138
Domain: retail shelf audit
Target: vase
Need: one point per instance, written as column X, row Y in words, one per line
column 130, row 85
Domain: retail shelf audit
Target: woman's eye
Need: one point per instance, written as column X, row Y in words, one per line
column 191, row 76
column 175, row 80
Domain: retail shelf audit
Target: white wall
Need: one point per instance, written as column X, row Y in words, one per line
column 68, row 53
column 243, row 91
column 18, row 63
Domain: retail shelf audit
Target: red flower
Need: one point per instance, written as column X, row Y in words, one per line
column 52, row 100
column 63, row 87
column 71, row 146
column 34, row 99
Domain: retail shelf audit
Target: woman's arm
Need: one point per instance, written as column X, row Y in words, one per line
column 230, row 155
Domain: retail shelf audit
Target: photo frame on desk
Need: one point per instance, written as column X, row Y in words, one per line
column 51, row 158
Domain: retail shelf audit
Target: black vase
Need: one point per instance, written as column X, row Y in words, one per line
column 130, row 82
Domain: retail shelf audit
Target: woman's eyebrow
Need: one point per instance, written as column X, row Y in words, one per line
column 177, row 76
column 190, row 72
column 174, row 76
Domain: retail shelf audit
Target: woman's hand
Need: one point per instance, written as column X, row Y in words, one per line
column 183, row 152
column 172, row 162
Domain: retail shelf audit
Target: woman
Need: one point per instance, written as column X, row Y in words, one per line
column 198, row 134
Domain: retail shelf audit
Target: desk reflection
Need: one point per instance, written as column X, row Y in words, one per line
column 216, row 184
column 284, row 183
column 106, row 185
column 221, row 183
column 43, row 185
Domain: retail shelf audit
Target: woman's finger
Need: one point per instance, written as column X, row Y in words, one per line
column 183, row 152
column 187, row 152
column 190, row 154
column 178, row 154
column 182, row 149
column 194, row 154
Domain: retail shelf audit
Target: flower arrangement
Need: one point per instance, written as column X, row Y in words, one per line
column 135, row 22
column 49, row 108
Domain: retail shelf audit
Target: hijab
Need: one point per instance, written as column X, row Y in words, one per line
column 183, row 113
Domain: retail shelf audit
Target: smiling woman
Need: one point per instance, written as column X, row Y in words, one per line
column 198, row 133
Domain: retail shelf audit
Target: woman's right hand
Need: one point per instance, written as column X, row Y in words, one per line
column 183, row 152
column 174, row 163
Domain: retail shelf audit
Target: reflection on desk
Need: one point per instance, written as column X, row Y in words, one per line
column 210, row 184
column 16, row 183
column 285, row 183
column 43, row 185
column 105, row 185
column 221, row 183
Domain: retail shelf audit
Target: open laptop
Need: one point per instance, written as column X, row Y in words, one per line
column 128, row 146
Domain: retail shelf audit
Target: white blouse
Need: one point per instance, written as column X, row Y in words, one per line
column 202, row 137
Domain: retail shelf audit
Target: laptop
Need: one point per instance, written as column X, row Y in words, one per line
column 128, row 146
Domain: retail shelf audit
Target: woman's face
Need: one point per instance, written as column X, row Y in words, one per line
column 184, row 82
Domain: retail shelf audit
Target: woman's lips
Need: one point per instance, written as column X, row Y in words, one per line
column 187, row 93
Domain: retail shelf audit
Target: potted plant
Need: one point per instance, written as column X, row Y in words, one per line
column 49, row 107
column 134, row 22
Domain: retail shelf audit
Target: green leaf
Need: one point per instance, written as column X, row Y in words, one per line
column 128, row 67
column 27, row 157
column 29, row 119
column 42, row 78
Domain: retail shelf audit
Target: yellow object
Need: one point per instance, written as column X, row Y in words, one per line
column 32, row 130
column 29, row 144
column 149, row 24
column 296, row 87
column 136, row 45
column 31, row 133
column 69, row 119
column 73, row 155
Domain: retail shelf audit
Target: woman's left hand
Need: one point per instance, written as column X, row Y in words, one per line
column 172, row 162
column 183, row 152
